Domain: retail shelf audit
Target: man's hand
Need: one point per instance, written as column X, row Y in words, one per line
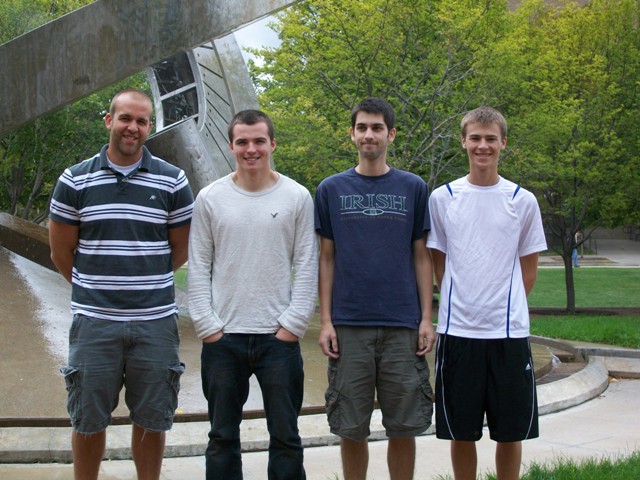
column 214, row 337
column 426, row 337
column 285, row 335
column 328, row 340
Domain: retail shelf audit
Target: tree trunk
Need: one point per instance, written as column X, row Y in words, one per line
column 568, row 280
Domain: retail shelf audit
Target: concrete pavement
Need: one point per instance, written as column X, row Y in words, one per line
column 611, row 252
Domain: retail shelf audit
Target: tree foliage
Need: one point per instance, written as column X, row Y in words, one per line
column 20, row 16
column 32, row 157
column 416, row 53
column 565, row 75
column 573, row 100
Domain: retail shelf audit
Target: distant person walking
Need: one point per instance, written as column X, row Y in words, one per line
column 119, row 227
column 485, row 238
column 574, row 252
column 253, row 277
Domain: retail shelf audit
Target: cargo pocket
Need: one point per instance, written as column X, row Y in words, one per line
column 173, row 379
column 425, row 387
column 71, row 376
column 330, row 406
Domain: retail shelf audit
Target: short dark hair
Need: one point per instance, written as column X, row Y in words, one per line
column 250, row 117
column 129, row 91
column 484, row 116
column 375, row 105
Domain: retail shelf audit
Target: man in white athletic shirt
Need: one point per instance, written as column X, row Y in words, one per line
column 486, row 233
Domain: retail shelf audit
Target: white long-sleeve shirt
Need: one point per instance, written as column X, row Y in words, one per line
column 253, row 259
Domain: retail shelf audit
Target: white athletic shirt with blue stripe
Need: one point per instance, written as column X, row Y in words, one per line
column 484, row 231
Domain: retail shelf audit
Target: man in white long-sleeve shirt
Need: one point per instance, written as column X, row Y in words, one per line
column 252, row 291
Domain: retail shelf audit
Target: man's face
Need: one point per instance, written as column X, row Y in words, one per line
column 252, row 147
column 371, row 135
column 129, row 127
column 483, row 144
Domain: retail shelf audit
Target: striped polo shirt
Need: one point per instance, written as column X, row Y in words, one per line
column 123, row 267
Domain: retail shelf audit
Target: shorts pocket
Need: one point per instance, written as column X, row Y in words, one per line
column 423, row 374
column 173, row 378
column 425, row 387
column 330, row 406
column 73, row 330
column 174, row 373
column 71, row 376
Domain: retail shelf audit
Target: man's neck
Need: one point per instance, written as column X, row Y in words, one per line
column 483, row 178
column 255, row 183
column 372, row 168
column 121, row 160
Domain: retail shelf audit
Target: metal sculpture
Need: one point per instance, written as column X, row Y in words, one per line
column 195, row 69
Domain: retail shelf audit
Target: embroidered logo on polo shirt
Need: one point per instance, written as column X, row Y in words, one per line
column 274, row 215
column 152, row 197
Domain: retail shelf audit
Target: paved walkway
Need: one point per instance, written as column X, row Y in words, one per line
column 611, row 253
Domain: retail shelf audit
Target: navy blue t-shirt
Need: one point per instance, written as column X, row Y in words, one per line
column 373, row 222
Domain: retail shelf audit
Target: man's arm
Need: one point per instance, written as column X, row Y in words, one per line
column 439, row 259
column 328, row 340
column 424, row 279
column 63, row 241
column 295, row 320
column 529, row 266
column 206, row 321
column 179, row 243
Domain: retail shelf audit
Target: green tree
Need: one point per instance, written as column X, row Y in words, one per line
column 416, row 53
column 565, row 75
column 568, row 76
column 32, row 157
column 20, row 16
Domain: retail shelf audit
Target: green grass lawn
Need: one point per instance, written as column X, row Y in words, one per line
column 594, row 287
column 567, row 469
column 609, row 330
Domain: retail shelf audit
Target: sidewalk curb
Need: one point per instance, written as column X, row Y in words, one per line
column 584, row 385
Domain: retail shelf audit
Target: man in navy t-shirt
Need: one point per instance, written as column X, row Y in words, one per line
column 375, row 297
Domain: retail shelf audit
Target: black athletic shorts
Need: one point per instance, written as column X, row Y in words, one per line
column 475, row 377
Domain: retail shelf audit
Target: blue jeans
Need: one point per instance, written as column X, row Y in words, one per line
column 227, row 366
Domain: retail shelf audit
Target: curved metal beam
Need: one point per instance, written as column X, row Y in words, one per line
column 104, row 42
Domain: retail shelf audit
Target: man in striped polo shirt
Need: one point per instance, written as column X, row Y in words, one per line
column 119, row 227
